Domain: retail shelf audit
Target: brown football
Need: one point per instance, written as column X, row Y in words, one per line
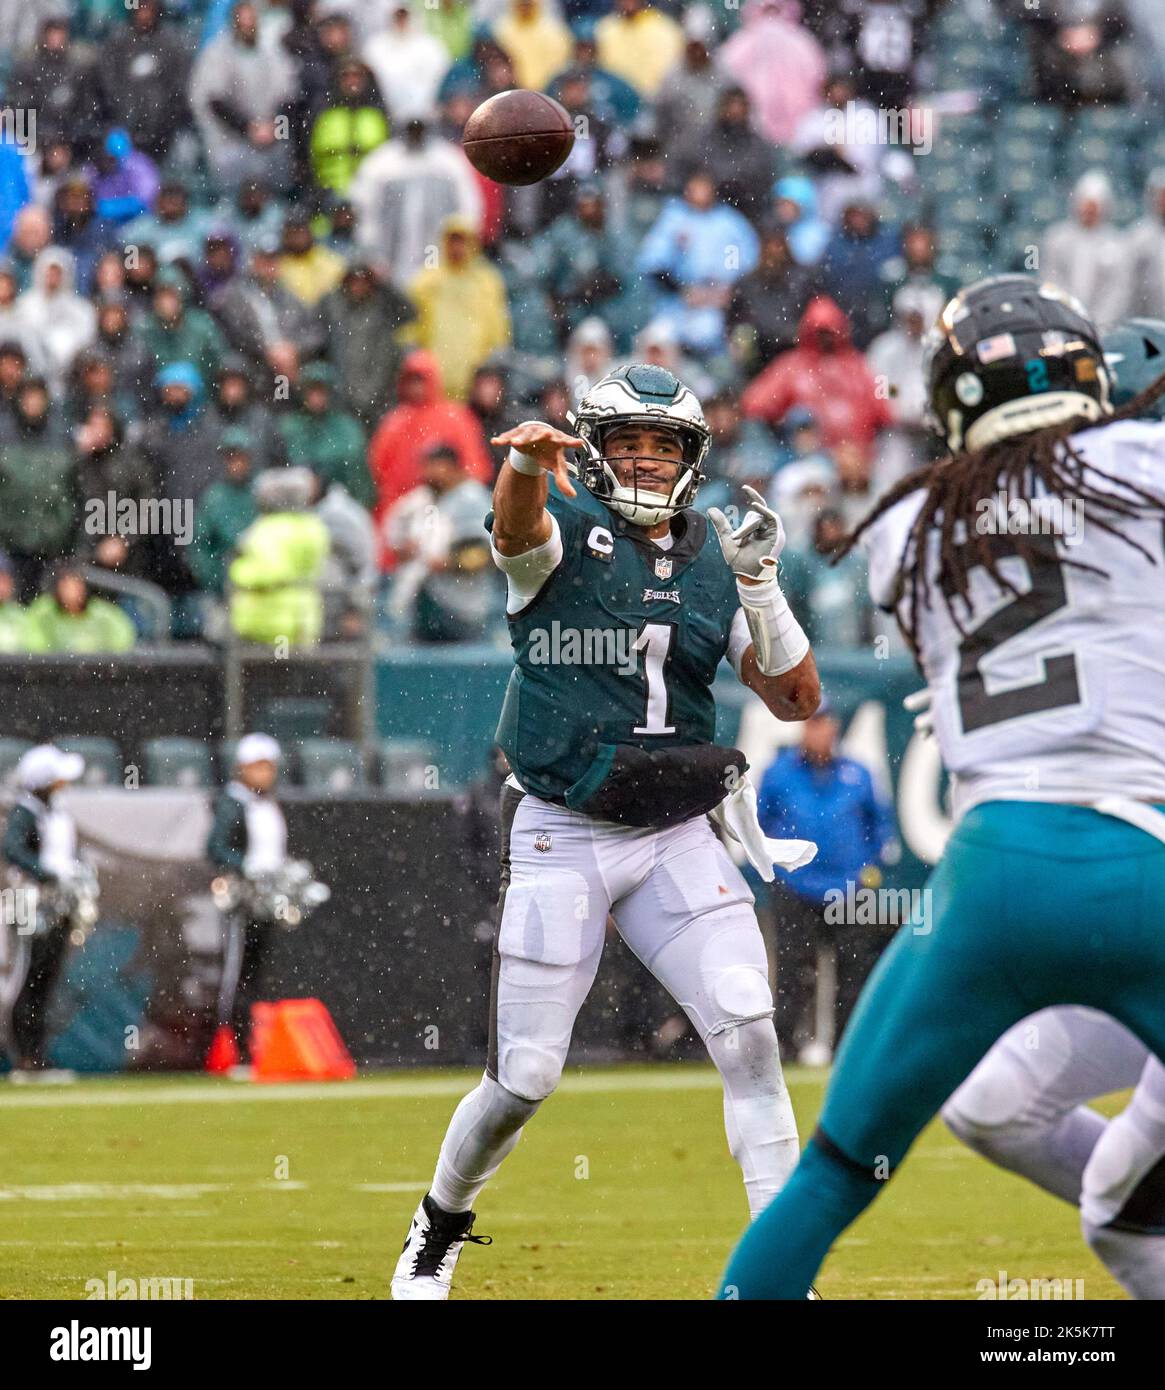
column 518, row 137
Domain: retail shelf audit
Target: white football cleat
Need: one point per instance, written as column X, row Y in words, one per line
column 431, row 1250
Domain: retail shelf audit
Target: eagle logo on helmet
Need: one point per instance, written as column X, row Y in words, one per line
column 646, row 395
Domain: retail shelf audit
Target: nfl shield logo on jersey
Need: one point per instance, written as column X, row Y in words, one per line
column 663, row 567
column 542, row 841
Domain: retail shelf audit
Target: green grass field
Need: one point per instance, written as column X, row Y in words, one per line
column 621, row 1188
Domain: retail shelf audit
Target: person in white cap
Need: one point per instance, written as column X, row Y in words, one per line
column 40, row 841
column 248, row 837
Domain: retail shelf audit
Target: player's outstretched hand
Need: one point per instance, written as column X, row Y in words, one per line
column 546, row 444
column 754, row 547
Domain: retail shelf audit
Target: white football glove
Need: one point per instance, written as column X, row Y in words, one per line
column 919, row 704
column 760, row 537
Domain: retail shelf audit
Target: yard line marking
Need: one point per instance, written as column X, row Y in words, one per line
column 385, row 1088
column 104, row 1191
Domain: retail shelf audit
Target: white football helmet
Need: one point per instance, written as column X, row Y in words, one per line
column 643, row 395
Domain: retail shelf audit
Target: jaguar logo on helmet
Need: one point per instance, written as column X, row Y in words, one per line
column 653, row 397
column 1009, row 356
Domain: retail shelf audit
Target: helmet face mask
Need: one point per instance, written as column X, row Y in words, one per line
column 650, row 398
column 1008, row 356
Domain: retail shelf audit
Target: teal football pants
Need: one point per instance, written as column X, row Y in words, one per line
column 1031, row 905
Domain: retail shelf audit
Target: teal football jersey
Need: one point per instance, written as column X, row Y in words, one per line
column 620, row 646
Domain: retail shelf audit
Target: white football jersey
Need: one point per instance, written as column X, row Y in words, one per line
column 1057, row 694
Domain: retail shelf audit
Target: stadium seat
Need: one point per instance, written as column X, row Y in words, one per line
column 957, row 26
column 11, row 750
column 1019, row 148
column 967, row 214
column 1031, row 207
column 964, row 64
column 1100, row 151
column 961, row 130
column 177, row 762
column 330, row 764
column 1026, row 179
column 404, row 765
column 292, row 717
column 104, row 764
column 945, row 181
column 1124, row 123
column 1034, row 120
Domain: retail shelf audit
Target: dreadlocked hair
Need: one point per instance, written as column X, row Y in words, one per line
column 957, row 484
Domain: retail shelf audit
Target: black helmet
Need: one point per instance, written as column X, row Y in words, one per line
column 1010, row 355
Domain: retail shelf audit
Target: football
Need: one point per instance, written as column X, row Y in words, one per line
column 518, row 137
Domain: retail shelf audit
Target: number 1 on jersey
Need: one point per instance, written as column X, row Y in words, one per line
column 655, row 642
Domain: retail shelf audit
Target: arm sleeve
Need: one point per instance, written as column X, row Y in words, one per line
column 528, row 572
column 739, row 640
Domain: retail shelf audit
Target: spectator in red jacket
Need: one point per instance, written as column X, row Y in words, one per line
column 827, row 375
column 422, row 418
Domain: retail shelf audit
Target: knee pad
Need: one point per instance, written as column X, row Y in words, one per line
column 529, row 1072
column 740, row 994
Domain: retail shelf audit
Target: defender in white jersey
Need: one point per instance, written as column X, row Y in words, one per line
column 1027, row 571
column 1025, row 1106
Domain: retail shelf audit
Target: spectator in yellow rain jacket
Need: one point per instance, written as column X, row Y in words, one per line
column 538, row 44
column 639, row 44
column 462, row 315
column 69, row 618
column 307, row 267
column 275, row 576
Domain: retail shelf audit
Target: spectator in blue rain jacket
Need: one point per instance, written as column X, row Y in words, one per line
column 813, row 793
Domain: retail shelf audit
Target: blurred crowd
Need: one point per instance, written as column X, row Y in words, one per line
column 259, row 317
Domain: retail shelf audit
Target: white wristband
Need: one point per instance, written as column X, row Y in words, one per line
column 524, row 463
column 777, row 636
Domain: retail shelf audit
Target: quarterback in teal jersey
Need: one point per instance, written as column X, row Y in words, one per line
column 622, row 602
